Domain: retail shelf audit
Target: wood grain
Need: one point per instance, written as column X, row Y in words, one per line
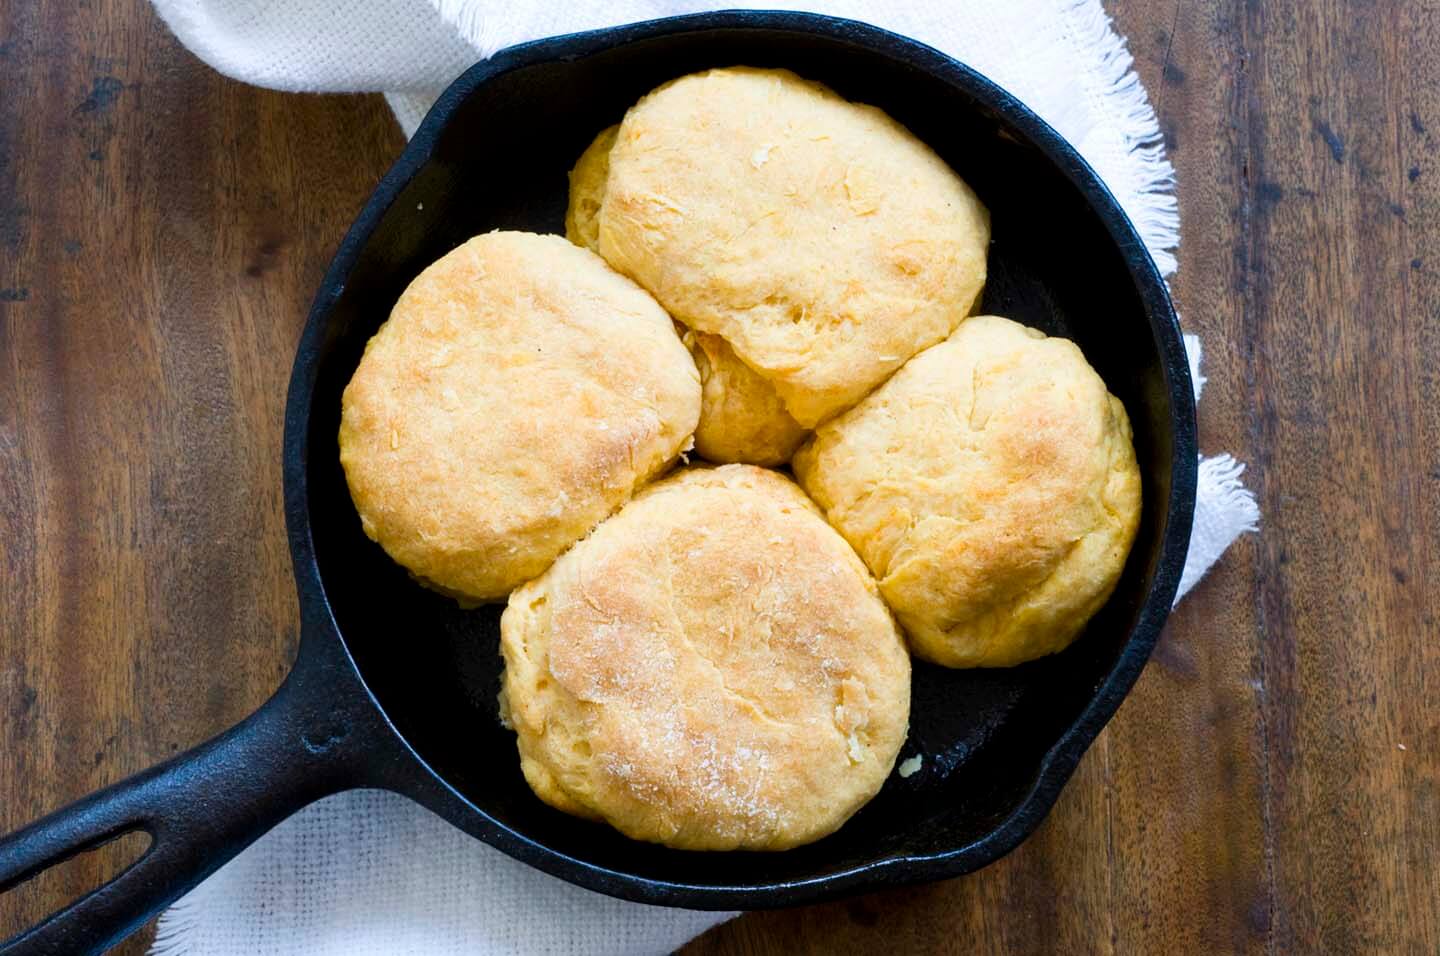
column 162, row 230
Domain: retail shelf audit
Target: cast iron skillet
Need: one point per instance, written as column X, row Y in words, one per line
column 394, row 686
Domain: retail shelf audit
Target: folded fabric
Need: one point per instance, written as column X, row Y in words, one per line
column 368, row 872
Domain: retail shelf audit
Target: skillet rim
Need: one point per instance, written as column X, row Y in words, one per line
column 1059, row 761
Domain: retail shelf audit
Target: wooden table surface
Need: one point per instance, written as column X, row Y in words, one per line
column 1271, row 785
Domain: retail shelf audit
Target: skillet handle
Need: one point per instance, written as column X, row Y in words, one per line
column 200, row 809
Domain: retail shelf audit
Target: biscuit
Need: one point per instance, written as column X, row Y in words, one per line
column 819, row 238
column 587, row 188
column 519, row 393
column 711, row 669
column 742, row 418
column 992, row 488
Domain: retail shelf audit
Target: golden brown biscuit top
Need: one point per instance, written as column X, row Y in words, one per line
column 520, row 391
column 971, row 479
column 712, row 668
column 818, row 237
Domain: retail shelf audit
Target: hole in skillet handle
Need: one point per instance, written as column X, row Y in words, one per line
column 319, row 734
column 25, row 901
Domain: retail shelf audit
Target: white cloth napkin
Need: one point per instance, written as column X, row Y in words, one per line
column 370, row 873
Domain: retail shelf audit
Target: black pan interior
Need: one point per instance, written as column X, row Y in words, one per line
column 501, row 162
